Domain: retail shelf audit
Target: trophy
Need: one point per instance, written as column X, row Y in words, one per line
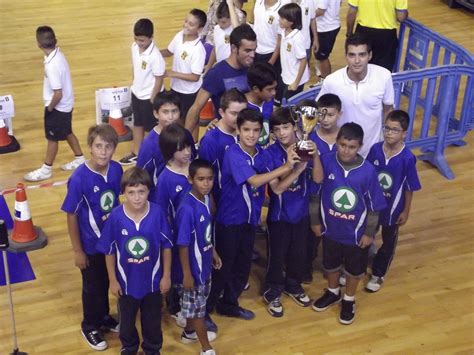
column 305, row 118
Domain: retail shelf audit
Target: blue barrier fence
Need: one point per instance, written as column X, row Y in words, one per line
column 432, row 97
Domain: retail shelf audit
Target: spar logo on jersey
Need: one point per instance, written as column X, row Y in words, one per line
column 137, row 248
column 207, row 237
column 385, row 180
column 107, row 199
column 344, row 199
column 179, row 188
column 264, row 134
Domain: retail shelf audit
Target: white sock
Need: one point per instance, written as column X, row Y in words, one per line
column 349, row 298
column 79, row 157
column 46, row 168
column 334, row 290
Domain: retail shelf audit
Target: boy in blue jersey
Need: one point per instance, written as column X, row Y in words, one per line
column 196, row 253
column 137, row 241
column 351, row 199
column 396, row 168
column 216, row 141
column 245, row 171
column 262, row 81
column 166, row 111
column 288, row 219
column 93, row 191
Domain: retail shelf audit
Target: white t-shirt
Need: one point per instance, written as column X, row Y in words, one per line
column 362, row 102
column 57, row 76
column 330, row 20
column 188, row 57
column 146, row 66
column 266, row 25
column 308, row 12
column 222, row 42
column 292, row 50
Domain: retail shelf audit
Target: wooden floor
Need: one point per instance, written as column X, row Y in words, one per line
column 426, row 305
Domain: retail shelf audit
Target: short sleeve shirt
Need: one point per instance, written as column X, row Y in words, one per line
column 378, row 13
column 57, row 76
column 222, row 42
column 292, row 51
column 146, row 66
column 330, row 20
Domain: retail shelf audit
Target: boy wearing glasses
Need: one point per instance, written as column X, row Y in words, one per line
column 396, row 170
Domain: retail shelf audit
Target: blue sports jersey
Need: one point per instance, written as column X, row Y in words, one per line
column 212, row 148
column 266, row 110
column 293, row 204
column 346, row 198
column 239, row 202
column 91, row 196
column 195, row 232
column 396, row 175
column 137, row 247
column 323, row 148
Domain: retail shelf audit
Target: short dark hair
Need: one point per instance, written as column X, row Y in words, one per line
column 399, row 116
column 133, row 177
column 240, row 33
column 222, row 11
column 358, row 39
column 174, row 138
column 292, row 12
column 232, row 95
column 249, row 115
column 199, row 164
column 200, row 15
column 143, row 27
column 281, row 115
column 46, row 37
column 165, row 97
column 351, row 131
column 329, row 100
column 104, row 131
column 261, row 74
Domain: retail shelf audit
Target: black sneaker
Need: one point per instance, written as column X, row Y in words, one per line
column 128, row 159
column 347, row 312
column 95, row 340
column 110, row 324
column 326, row 300
column 275, row 308
column 301, row 299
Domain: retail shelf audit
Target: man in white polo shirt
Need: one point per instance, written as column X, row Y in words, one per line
column 366, row 91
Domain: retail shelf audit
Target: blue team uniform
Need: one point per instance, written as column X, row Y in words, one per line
column 239, row 202
column 92, row 196
column 323, row 148
column 346, row 198
column 266, row 110
column 396, row 175
column 212, row 148
column 195, row 232
column 137, row 247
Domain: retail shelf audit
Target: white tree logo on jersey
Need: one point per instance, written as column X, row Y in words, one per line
column 264, row 134
column 107, row 199
column 137, row 247
column 344, row 199
column 385, row 180
column 207, row 234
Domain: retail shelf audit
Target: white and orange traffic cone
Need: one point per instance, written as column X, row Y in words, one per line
column 207, row 114
column 116, row 121
column 8, row 143
column 25, row 235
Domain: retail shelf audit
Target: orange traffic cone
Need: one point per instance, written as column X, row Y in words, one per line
column 8, row 143
column 116, row 121
column 25, row 235
column 207, row 113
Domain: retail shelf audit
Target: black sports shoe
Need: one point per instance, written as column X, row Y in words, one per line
column 110, row 324
column 128, row 159
column 95, row 340
column 326, row 300
column 347, row 312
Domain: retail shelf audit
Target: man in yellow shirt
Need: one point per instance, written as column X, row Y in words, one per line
column 377, row 19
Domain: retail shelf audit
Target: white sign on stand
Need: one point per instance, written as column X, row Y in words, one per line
column 115, row 98
column 7, row 111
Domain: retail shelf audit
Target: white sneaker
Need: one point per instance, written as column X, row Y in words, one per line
column 180, row 320
column 374, row 284
column 72, row 165
column 38, row 175
column 188, row 338
column 208, row 352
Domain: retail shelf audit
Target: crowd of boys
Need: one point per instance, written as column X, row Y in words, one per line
column 187, row 224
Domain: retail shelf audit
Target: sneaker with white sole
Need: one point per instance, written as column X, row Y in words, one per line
column 95, row 340
column 110, row 324
column 326, row 300
column 180, row 320
column 73, row 165
column 275, row 308
column 301, row 299
column 347, row 314
column 39, row 175
column 208, row 352
column 374, row 284
column 128, row 159
column 191, row 337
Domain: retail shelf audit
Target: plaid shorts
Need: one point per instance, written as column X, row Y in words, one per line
column 193, row 302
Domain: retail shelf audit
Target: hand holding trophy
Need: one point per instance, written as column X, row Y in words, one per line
column 306, row 118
